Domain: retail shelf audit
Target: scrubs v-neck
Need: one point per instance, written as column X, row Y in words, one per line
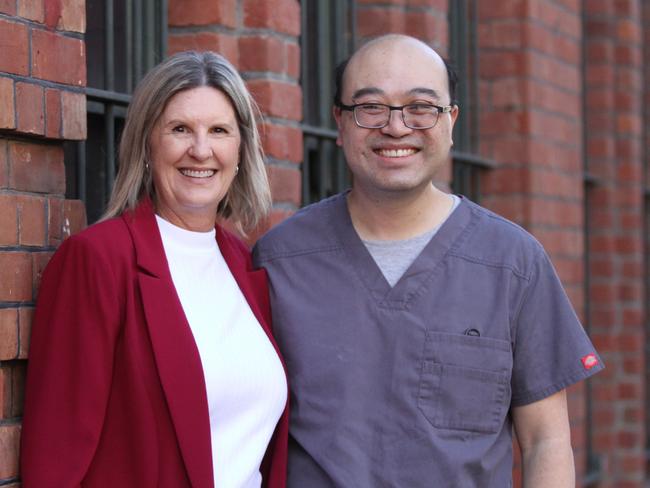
column 412, row 385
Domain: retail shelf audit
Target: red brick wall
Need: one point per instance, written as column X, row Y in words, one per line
column 531, row 106
column 261, row 40
column 530, row 124
column 614, row 110
column 42, row 71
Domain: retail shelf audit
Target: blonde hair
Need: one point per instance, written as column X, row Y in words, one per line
column 248, row 199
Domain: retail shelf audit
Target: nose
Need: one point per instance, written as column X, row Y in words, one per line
column 200, row 148
column 396, row 126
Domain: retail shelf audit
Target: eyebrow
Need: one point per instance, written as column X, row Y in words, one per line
column 371, row 90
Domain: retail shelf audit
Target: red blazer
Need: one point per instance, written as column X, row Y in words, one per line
column 115, row 391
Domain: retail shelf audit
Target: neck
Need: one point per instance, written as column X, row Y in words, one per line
column 398, row 216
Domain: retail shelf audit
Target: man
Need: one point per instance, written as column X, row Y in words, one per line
column 418, row 328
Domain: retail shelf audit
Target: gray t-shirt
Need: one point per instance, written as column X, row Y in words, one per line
column 412, row 385
column 395, row 256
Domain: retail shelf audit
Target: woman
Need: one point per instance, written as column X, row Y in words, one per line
column 151, row 360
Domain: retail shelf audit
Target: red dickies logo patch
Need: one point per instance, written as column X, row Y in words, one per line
column 589, row 361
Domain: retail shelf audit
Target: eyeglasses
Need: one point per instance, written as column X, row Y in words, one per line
column 377, row 115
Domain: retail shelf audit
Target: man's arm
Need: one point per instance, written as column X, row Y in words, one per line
column 545, row 440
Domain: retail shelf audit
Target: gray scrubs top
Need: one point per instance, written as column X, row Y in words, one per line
column 411, row 386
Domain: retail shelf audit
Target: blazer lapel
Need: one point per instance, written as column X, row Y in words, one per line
column 175, row 351
column 252, row 283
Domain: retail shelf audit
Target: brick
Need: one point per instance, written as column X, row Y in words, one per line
column 374, row 22
column 293, row 60
column 501, row 10
column 200, row 12
column 39, row 262
column 8, row 7
column 52, row 113
column 8, row 220
column 224, row 44
column 7, row 104
column 282, row 142
column 5, row 392
column 14, row 39
column 9, row 446
column 277, row 98
column 73, row 16
column 32, row 10
column 55, row 221
column 19, row 374
column 74, row 217
column 36, row 168
column 15, row 276
column 29, row 108
column 73, row 114
column 58, row 58
column 4, row 164
column 31, row 220
column 8, row 333
column 261, row 53
column 285, row 184
column 279, row 15
column 25, row 317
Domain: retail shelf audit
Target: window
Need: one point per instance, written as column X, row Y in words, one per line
column 124, row 39
column 467, row 164
column 327, row 39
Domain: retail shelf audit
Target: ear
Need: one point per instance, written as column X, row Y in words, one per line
column 336, row 112
column 455, row 110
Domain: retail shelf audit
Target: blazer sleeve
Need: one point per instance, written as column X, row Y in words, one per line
column 74, row 331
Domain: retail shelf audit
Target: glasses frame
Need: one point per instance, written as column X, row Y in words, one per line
column 352, row 108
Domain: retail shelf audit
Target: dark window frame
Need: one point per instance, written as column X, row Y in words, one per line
column 124, row 39
column 467, row 163
column 328, row 37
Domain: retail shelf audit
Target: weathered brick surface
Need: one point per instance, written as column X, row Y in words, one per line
column 73, row 110
column 7, row 102
column 67, row 66
column 14, row 40
column 201, row 13
column 32, row 10
column 278, row 15
column 36, row 168
column 53, row 113
column 30, row 108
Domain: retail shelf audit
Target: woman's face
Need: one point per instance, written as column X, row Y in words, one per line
column 194, row 150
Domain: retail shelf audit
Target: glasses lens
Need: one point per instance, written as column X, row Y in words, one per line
column 371, row 116
column 420, row 116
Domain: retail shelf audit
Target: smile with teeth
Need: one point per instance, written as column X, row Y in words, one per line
column 395, row 153
column 196, row 173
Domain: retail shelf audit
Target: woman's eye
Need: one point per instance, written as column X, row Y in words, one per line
column 218, row 130
column 179, row 128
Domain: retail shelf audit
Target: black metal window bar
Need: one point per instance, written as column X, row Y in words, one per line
column 463, row 49
column 593, row 468
column 327, row 38
column 124, row 39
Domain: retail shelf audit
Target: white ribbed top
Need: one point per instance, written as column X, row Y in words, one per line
column 246, row 385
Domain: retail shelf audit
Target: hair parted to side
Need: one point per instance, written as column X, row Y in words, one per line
column 249, row 198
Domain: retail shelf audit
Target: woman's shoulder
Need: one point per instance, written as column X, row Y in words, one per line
column 110, row 238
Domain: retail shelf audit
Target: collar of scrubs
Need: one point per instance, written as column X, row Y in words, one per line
column 418, row 276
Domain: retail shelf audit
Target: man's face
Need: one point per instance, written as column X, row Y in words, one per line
column 395, row 158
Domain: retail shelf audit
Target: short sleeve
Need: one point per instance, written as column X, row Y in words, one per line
column 551, row 348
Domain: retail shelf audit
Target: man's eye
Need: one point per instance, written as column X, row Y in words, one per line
column 420, row 108
column 372, row 108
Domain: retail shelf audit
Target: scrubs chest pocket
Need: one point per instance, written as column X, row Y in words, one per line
column 465, row 382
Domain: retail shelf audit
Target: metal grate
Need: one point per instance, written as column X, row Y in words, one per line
column 463, row 48
column 124, row 39
column 327, row 38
